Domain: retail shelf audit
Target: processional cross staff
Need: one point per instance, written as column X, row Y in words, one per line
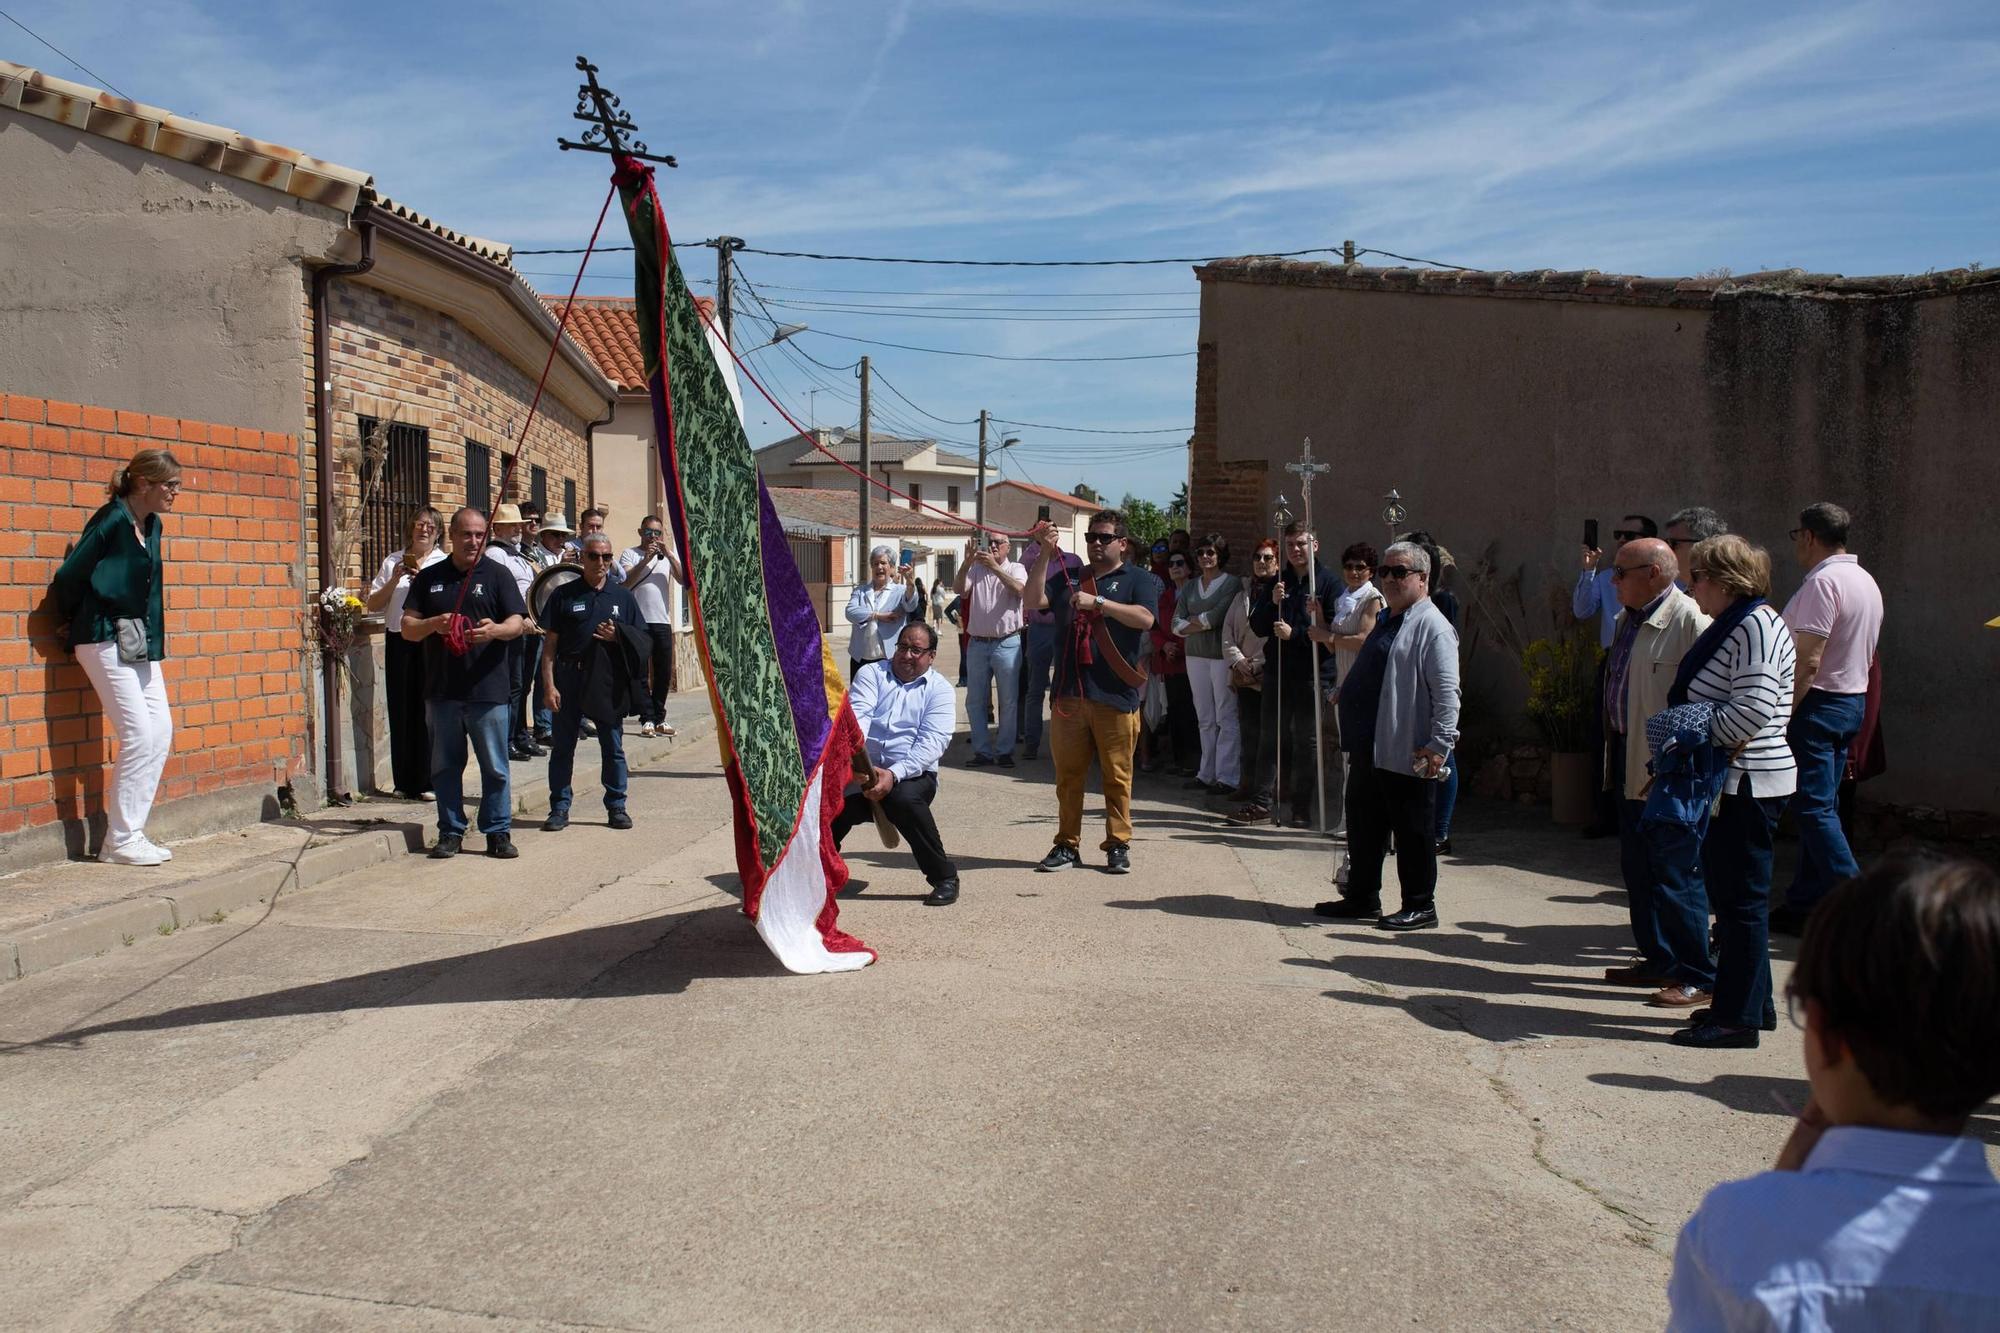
column 1306, row 469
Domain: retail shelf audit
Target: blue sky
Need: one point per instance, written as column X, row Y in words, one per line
column 1660, row 139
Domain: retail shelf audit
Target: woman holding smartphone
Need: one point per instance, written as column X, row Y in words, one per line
column 403, row 661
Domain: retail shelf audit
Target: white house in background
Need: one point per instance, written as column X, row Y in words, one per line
column 917, row 468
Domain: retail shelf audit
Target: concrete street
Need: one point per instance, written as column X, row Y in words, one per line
column 575, row 1091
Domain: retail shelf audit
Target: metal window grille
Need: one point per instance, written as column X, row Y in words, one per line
column 951, row 498
column 479, row 476
column 404, row 484
column 538, row 486
column 569, row 499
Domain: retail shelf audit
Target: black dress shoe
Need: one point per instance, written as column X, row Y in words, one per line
column 943, row 894
column 1005, row 760
column 1348, row 909
column 557, row 821
column 1117, row 860
column 545, row 738
column 518, row 754
column 501, row 847
column 447, row 846
column 979, row 761
column 1410, row 918
column 1715, row 1036
column 1700, row 1016
column 1060, row 857
column 618, row 818
column 1442, row 847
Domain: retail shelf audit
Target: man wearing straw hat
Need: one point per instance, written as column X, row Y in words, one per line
column 547, row 551
column 906, row 715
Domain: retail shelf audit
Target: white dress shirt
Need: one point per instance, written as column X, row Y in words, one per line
column 392, row 572
column 1881, row 1230
column 649, row 592
column 907, row 727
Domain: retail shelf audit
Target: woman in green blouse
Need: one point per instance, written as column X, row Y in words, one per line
column 110, row 589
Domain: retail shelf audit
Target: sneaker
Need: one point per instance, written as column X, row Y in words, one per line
column 166, row 852
column 618, row 818
column 447, row 846
column 557, row 821
column 501, row 847
column 1060, row 857
column 1252, row 813
column 646, row 729
column 137, row 852
column 1417, row 918
column 1117, row 859
column 662, row 729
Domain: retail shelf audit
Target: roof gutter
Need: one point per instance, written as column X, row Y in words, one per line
column 364, row 223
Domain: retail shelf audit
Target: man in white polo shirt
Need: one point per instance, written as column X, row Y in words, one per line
column 991, row 585
column 1836, row 621
column 648, row 570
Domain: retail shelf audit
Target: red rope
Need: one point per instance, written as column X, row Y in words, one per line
column 456, row 638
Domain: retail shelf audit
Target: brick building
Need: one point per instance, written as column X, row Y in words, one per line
column 1507, row 408
column 262, row 312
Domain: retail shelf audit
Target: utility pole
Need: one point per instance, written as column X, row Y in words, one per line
column 979, row 482
column 725, row 292
column 867, row 479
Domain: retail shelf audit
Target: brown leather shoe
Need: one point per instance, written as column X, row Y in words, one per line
column 1635, row 974
column 1678, row 996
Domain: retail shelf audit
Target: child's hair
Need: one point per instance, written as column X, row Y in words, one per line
column 1904, row 960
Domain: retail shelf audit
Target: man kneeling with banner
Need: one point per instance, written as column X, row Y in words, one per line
column 905, row 712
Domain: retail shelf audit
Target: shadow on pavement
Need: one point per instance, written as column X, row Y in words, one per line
column 1501, row 1023
column 1220, row 907
column 1758, row 1095
column 638, row 964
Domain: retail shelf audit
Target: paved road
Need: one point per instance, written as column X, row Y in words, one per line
column 574, row 1091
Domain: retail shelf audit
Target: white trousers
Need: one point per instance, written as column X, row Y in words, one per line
column 134, row 695
column 1215, row 708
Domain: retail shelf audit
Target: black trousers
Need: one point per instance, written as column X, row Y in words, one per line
column 1183, row 724
column 1381, row 803
column 662, row 667
column 521, row 689
column 908, row 806
column 1604, row 806
column 409, row 719
column 1300, row 754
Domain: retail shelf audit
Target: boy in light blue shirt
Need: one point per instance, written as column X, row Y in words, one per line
column 1879, row 1214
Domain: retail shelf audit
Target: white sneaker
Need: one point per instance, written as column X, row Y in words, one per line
column 138, row 852
column 166, row 852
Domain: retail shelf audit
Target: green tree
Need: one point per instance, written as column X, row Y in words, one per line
column 1177, row 509
column 1145, row 522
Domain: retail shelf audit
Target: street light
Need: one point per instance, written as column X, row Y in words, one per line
column 778, row 335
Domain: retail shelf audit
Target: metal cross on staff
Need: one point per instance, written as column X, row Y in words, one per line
column 1306, row 469
column 609, row 123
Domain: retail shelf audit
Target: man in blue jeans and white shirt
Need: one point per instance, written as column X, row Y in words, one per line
column 991, row 585
column 468, row 692
column 1836, row 621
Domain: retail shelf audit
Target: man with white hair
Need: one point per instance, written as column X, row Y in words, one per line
column 1398, row 725
column 595, row 668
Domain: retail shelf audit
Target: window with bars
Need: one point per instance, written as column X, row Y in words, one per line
column 916, row 495
column 569, row 499
column 479, row 476
column 951, row 498
column 538, row 487
column 395, row 480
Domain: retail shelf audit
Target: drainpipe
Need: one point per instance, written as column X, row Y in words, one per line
column 324, row 468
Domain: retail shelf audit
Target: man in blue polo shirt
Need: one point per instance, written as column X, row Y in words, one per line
column 595, row 668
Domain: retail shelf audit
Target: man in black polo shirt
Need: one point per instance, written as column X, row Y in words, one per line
column 1102, row 613
column 465, row 611
column 595, row 668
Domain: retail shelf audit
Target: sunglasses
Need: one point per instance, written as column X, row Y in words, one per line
column 1620, row 571
column 1395, row 571
column 652, row 535
column 1356, row 566
column 1267, row 555
column 1102, row 537
column 1177, row 563
column 1207, row 551
column 1624, row 535
column 599, row 555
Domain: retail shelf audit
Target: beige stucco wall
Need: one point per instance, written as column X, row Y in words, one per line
column 1507, row 422
column 139, row 282
column 626, row 466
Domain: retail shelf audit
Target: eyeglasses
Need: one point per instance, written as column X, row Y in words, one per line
column 1177, row 563
column 1797, row 533
column 1101, row 537
column 1678, row 542
column 911, row 650
column 1356, row 566
column 1620, row 571
column 599, row 555
column 1395, row 571
column 1626, row 535
column 1696, row 576
column 172, row 487
column 1208, row 551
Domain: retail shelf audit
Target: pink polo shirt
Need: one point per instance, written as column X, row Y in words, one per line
column 991, row 609
column 1839, row 602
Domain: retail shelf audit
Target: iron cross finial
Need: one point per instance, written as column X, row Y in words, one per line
column 609, row 122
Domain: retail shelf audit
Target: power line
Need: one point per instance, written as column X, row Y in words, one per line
column 1001, row 263
column 904, row 291
column 993, row 356
column 857, row 307
column 95, row 75
column 1089, row 430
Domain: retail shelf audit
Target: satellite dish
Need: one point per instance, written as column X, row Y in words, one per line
column 548, row 583
column 836, row 436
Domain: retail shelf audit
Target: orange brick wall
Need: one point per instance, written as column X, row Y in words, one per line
column 234, row 625
column 1225, row 497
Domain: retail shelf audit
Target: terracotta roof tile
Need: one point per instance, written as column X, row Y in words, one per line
column 1047, row 493
column 841, row 508
column 1586, row 284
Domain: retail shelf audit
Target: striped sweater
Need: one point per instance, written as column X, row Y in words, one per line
column 1749, row 680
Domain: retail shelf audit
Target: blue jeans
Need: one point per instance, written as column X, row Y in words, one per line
column 1822, row 727
column 1447, row 798
column 562, row 759
column 1669, row 903
column 1041, row 662
column 1736, row 857
column 992, row 664
column 487, row 725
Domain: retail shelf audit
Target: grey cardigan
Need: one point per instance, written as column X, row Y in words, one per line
column 1190, row 603
column 1419, row 706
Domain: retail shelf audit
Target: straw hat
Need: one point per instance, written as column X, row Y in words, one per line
column 556, row 523
column 507, row 513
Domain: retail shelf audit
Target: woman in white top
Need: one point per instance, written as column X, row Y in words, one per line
column 1743, row 664
column 403, row 666
column 878, row 610
column 1355, row 610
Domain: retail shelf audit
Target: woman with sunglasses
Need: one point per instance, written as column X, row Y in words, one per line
column 111, row 590
column 1203, row 602
column 402, row 660
column 1243, row 655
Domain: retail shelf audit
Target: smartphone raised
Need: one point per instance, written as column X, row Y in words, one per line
column 1590, row 533
column 1041, row 513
